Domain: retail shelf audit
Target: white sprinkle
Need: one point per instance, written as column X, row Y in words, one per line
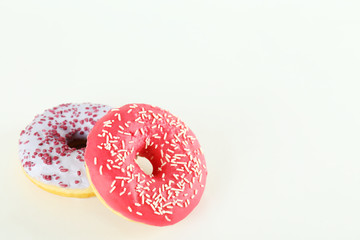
column 113, row 188
column 107, row 123
column 137, row 204
column 168, row 219
column 116, row 148
column 153, row 208
column 111, row 136
column 95, row 160
column 119, row 177
column 108, row 166
column 139, row 213
column 180, row 155
column 187, row 169
column 100, row 147
column 122, row 192
column 129, row 110
column 166, row 204
column 113, row 183
column 100, row 170
column 153, row 196
column 165, row 136
column 142, row 131
column 177, row 189
column 130, row 210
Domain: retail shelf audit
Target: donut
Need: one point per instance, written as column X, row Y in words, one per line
column 134, row 131
column 52, row 146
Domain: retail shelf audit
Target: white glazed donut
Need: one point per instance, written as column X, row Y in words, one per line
column 52, row 148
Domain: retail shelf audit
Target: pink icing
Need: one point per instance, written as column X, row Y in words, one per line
column 43, row 146
column 178, row 179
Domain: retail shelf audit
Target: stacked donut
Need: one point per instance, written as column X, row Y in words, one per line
column 52, row 147
column 57, row 147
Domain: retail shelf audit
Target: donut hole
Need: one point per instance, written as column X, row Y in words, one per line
column 144, row 164
column 76, row 142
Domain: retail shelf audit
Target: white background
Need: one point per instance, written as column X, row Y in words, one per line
column 270, row 88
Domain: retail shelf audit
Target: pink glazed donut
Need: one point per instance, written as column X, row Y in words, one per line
column 178, row 179
column 52, row 146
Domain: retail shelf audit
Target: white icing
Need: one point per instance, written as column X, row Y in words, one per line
column 41, row 131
